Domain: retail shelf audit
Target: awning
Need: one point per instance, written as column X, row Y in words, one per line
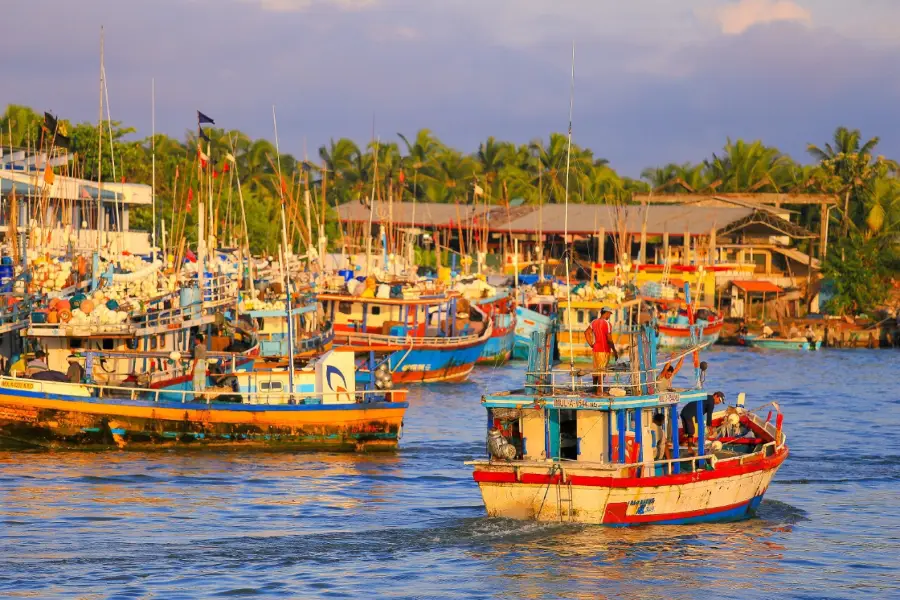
column 94, row 191
column 759, row 287
column 22, row 189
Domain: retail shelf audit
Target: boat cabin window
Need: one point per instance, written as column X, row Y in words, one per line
column 580, row 315
column 344, row 307
column 108, row 344
column 154, row 342
column 76, row 343
column 568, row 434
column 376, row 310
column 270, row 386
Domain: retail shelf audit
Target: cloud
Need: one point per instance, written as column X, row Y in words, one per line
column 302, row 5
column 735, row 19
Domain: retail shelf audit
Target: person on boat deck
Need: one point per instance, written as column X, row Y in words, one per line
column 599, row 336
column 37, row 364
column 794, row 332
column 809, row 334
column 199, row 366
column 75, row 372
column 767, row 332
column 662, row 440
column 689, row 415
column 16, row 366
column 664, row 383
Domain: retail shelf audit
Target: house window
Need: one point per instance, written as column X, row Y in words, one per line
column 580, row 315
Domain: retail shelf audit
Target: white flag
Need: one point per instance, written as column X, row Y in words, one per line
column 478, row 190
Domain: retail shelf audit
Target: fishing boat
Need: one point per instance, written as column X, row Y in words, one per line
column 323, row 410
column 534, row 312
column 688, row 325
column 501, row 311
column 772, row 343
column 561, row 450
column 271, row 322
column 424, row 337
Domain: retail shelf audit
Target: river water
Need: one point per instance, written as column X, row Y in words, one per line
column 412, row 525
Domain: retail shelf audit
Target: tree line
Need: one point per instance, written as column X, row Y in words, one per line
column 864, row 234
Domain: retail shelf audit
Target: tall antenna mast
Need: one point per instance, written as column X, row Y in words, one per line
column 284, row 250
column 566, row 222
column 153, row 163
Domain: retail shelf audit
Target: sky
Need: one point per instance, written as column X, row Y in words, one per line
column 656, row 81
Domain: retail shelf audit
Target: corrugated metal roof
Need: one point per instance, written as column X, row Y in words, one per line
column 757, row 286
column 584, row 219
column 426, row 213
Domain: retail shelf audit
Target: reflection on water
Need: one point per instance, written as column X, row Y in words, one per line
column 187, row 524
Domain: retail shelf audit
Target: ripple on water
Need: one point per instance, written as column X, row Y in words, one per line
column 234, row 524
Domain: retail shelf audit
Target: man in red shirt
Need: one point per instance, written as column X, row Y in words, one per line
column 599, row 337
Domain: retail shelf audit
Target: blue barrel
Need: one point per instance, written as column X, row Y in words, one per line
column 7, row 273
column 6, row 260
column 347, row 274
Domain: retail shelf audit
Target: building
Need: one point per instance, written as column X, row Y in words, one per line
column 64, row 210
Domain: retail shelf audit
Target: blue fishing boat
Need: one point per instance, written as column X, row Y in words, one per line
column 754, row 341
column 534, row 313
column 423, row 338
column 500, row 309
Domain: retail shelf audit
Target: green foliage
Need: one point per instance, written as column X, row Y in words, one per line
column 860, row 271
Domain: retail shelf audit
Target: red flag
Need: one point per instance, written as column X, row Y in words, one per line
column 190, row 197
column 190, row 255
column 226, row 167
column 123, row 179
column 215, row 174
column 402, row 177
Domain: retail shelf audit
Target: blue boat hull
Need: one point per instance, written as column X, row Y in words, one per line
column 527, row 322
column 498, row 350
column 426, row 365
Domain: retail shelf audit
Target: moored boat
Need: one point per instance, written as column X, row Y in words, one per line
column 424, row 337
column 560, row 451
column 677, row 330
column 772, row 343
column 501, row 311
column 535, row 312
column 323, row 411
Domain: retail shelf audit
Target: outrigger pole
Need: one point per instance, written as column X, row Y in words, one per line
column 284, row 250
column 566, row 223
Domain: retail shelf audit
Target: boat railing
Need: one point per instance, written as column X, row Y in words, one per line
column 112, row 392
column 567, row 381
column 360, row 338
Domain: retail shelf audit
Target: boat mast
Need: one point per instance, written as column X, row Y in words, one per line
column 287, row 277
column 100, row 154
column 566, row 223
column 153, row 166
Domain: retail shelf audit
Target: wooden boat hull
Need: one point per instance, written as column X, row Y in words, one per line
column 52, row 415
column 725, row 493
column 499, row 347
column 527, row 322
column 679, row 336
column 430, row 365
column 779, row 344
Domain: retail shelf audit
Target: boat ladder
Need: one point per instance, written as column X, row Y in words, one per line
column 564, row 502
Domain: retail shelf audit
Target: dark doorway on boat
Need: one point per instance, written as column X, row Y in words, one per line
column 568, row 434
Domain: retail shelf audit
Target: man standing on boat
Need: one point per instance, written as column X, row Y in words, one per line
column 199, row 366
column 689, row 416
column 599, row 337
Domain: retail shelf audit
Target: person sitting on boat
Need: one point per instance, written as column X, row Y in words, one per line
column 199, row 364
column 689, row 416
column 664, row 383
column 75, row 372
column 794, row 332
column 37, row 364
column 767, row 332
column 599, row 337
column 17, row 366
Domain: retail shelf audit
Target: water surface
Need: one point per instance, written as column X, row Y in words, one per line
column 411, row 525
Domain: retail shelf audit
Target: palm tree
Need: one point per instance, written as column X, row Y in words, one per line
column 744, row 167
column 852, row 168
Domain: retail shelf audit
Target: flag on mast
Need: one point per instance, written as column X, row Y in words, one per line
column 201, row 119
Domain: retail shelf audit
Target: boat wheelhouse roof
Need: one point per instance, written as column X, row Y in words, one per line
column 420, row 300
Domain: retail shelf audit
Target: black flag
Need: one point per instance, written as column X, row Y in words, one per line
column 201, row 119
column 202, row 134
